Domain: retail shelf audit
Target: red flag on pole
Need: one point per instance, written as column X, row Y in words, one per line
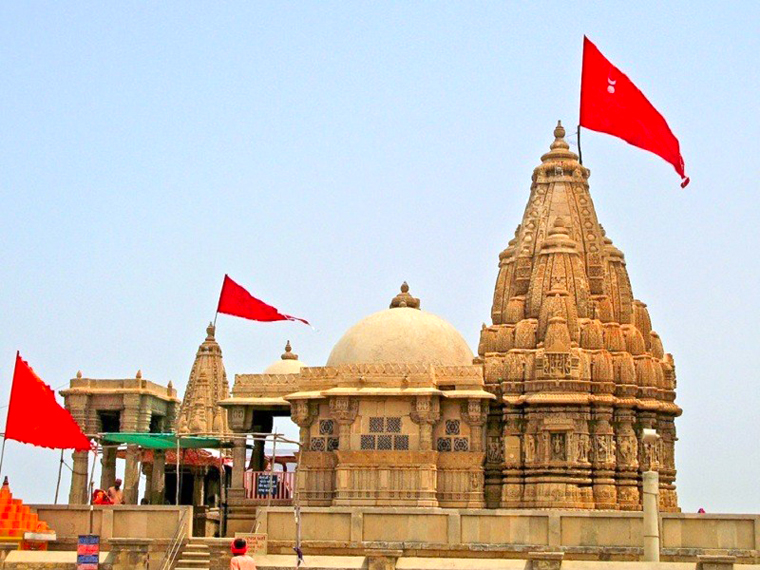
column 236, row 301
column 612, row 104
column 34, row 415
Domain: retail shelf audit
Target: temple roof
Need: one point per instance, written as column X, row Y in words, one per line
column 200, row 412
column 563, row 288
column 402, row 334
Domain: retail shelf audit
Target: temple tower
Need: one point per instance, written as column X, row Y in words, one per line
column 200, row 412
column 573, row 359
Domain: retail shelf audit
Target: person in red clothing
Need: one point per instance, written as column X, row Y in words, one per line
column 240, row 560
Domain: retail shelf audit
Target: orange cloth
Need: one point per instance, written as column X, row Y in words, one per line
column 244, row 562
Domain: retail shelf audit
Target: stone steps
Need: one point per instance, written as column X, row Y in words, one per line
column 194, row 556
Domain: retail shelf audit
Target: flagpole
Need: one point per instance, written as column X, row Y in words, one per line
column 2, row 455
column 58, row 484
column 580, row 153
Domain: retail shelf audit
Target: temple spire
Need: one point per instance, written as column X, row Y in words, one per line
column 200, row 411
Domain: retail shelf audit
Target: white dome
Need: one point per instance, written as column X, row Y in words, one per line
column 402, row 335
column 288, row 363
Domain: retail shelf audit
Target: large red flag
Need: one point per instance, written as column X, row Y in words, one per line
column 235, row 300
column 34, row 415
column 612, row 104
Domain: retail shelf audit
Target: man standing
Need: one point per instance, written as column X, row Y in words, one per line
column 115, row 493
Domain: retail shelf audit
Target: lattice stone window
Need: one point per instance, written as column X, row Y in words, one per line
column 384, row 442
column 452, row 427
column 444, row 444
column 333, row 443
column 461, row 444
column 376, row 425
column 401, row 442
column 317, row 444
column 326, row 427
column 368, row 442
column 393, row 425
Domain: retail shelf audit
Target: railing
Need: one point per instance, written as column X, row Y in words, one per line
column 176, row 543
column 265, row 485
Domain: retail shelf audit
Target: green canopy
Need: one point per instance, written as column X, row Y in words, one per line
column 162, row 440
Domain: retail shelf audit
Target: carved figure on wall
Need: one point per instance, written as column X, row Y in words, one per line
column 558, row 447
column 583, row 448
column 494, row 452
column 530, row 449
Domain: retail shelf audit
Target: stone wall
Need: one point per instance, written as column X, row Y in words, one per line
column 487, row 533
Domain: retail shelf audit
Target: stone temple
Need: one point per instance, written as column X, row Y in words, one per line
column 410, row 440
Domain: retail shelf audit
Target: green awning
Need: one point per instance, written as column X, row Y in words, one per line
column 162, row 440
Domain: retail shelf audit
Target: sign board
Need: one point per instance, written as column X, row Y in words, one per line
column 88, row 552
column 257, row 542
column 266, row 485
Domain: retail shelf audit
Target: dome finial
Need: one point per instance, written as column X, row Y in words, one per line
column 210, row 330
column 289, row 354
column 405, row 299
column 559, row 131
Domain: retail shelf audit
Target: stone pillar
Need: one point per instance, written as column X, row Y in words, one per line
column 108, row 467
column 79, row 493
column 237, row 487
column 158, row 484
column 510, row 457
column 426, row 413
column 603, row 458
column 651, row 481
column 131, row 475
column 147, row 469
column 627, row 463
column 344, row 411
column 199, row 486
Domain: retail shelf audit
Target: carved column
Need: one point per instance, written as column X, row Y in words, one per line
column 240, row 421
column 511, row 454
column 668, row 497
column 603, row 458
column 158, row 477
column 475, row 413
column 627, row 463
column 79, row 494
column 344, row 410
column 108, row 467
column 426, row 413
column 199, row 486
column 147, row 469
column 78, row 405
column 131, row 474
column 303, row 414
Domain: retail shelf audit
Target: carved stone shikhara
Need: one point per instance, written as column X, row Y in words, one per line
column 200, row 412
column 574, row 358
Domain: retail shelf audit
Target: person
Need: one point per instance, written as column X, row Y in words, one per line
column 99, row 497
column 701, row 511
column 240, row 560
column 115, row 493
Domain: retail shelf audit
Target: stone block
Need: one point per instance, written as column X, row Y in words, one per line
column 713, row 562
column 545, row 560
column 383, row 559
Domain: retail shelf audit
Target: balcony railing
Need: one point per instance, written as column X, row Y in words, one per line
column 265, row 485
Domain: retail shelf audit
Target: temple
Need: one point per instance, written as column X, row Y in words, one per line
column 547, row 415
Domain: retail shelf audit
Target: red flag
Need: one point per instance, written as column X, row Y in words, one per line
column 34, row 415
column 236, row 301
column 612, row 104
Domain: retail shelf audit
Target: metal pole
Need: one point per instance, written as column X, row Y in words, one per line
column 2, row 455
column 176, row 491
column 271, row 468
column 92, row 474
column 651, row 486
column 580, row 152
column 58, row 484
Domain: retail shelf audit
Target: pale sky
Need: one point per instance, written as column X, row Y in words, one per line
column 322, row 153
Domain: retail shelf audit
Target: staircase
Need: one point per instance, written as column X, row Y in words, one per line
column 194, row 556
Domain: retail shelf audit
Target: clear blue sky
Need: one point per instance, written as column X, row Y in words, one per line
column 322, row 153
